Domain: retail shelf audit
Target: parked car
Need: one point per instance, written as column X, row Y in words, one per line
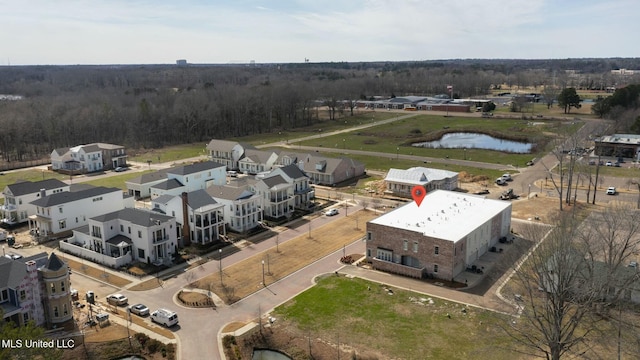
column 500, row 181
column 611, row 190
column 506, row 177
column 482, row 192
column 609, row 163
column 331, row 212
column 633, row 264
column 530, row 163
column 13, row 256
column 139, row 309
column 164, row 317
column 117, row 299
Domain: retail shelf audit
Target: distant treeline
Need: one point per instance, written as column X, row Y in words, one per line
column 147, row 106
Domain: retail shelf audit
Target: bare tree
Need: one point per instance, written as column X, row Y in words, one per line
column 571, row 279
column 555, row 313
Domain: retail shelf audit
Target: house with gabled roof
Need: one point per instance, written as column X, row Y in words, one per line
column 302, row 191
column 17, row 205
column 123, row 236
column 399, row 182
column 176, row 180
column 88, row 158
column 227, row 152
column 330, row 171
column 257, row 161
column 64, row 211
column 199, row 217
column 242, row 207
column 277, row 196
column 36, row 288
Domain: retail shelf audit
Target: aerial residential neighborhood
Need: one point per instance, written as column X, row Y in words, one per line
column 295, row 224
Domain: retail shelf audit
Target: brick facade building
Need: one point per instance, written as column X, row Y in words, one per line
column 440, row 238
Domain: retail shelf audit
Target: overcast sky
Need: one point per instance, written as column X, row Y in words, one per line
column 200, row 31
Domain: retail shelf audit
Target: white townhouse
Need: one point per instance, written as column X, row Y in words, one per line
column 257, row 161
column 127, row 235
column 203, row 216
column 89, row 157
column 65, row 211
column 302, row 191
column 242, row 208
column 176, row 180
column 277, row 196
column 400, row 182
column 140, row 187
column 17, row 205
column 227, row 152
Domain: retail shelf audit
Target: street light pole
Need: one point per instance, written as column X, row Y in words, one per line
column 220, row 262
column 263, row 283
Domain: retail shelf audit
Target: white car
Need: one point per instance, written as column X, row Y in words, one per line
column 331, row 212
column 609, row 163
column 506, row 177
column 500, row 181
column 117, row 299
column 611, row 190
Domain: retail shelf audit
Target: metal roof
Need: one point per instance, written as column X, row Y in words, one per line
column 446, row 215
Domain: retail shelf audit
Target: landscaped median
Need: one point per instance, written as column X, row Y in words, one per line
column 245, row 277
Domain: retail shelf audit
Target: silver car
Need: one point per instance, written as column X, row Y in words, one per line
column 117, row 299
column 139, row 309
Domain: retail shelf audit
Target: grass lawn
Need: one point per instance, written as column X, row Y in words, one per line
column 245, row 277
column 171, row 153
column 396, row 138
column 361, row 117
column 88, row 268
column 405, row 325
column 117, row 181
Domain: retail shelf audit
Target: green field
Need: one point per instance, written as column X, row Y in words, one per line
column 396, row 138
column 117, row 181
column 404, row 325
column 360, row 118
column 13, row 177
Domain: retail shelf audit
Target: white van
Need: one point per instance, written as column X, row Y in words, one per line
column 164, row 317
column 232, row 173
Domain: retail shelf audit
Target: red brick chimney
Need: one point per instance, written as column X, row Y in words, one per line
column 186, row 229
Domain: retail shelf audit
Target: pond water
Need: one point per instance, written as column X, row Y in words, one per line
column 476, row 141
column 263, row 354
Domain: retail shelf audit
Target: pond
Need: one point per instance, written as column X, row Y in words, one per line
column 265, row 354
column 476, row 141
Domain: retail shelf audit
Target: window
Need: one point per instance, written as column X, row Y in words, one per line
column 139, row 234
column 55, row 311
column 25, row 317
column 415, row 246
column 76, row 219
column 369, row 236
column 23, row 295
column 384, row 255
column 62, row 286
column 64, row 309
column 4, row 295
column 435, row 268
column 129, row 229
column 62, row 224
column 405, row 245
column 437, row 250
column 140, row 253
column 121, row 228
column 53, row 288
column 60, row 209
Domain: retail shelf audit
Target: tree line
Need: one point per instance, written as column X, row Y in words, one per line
column 149, row 106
